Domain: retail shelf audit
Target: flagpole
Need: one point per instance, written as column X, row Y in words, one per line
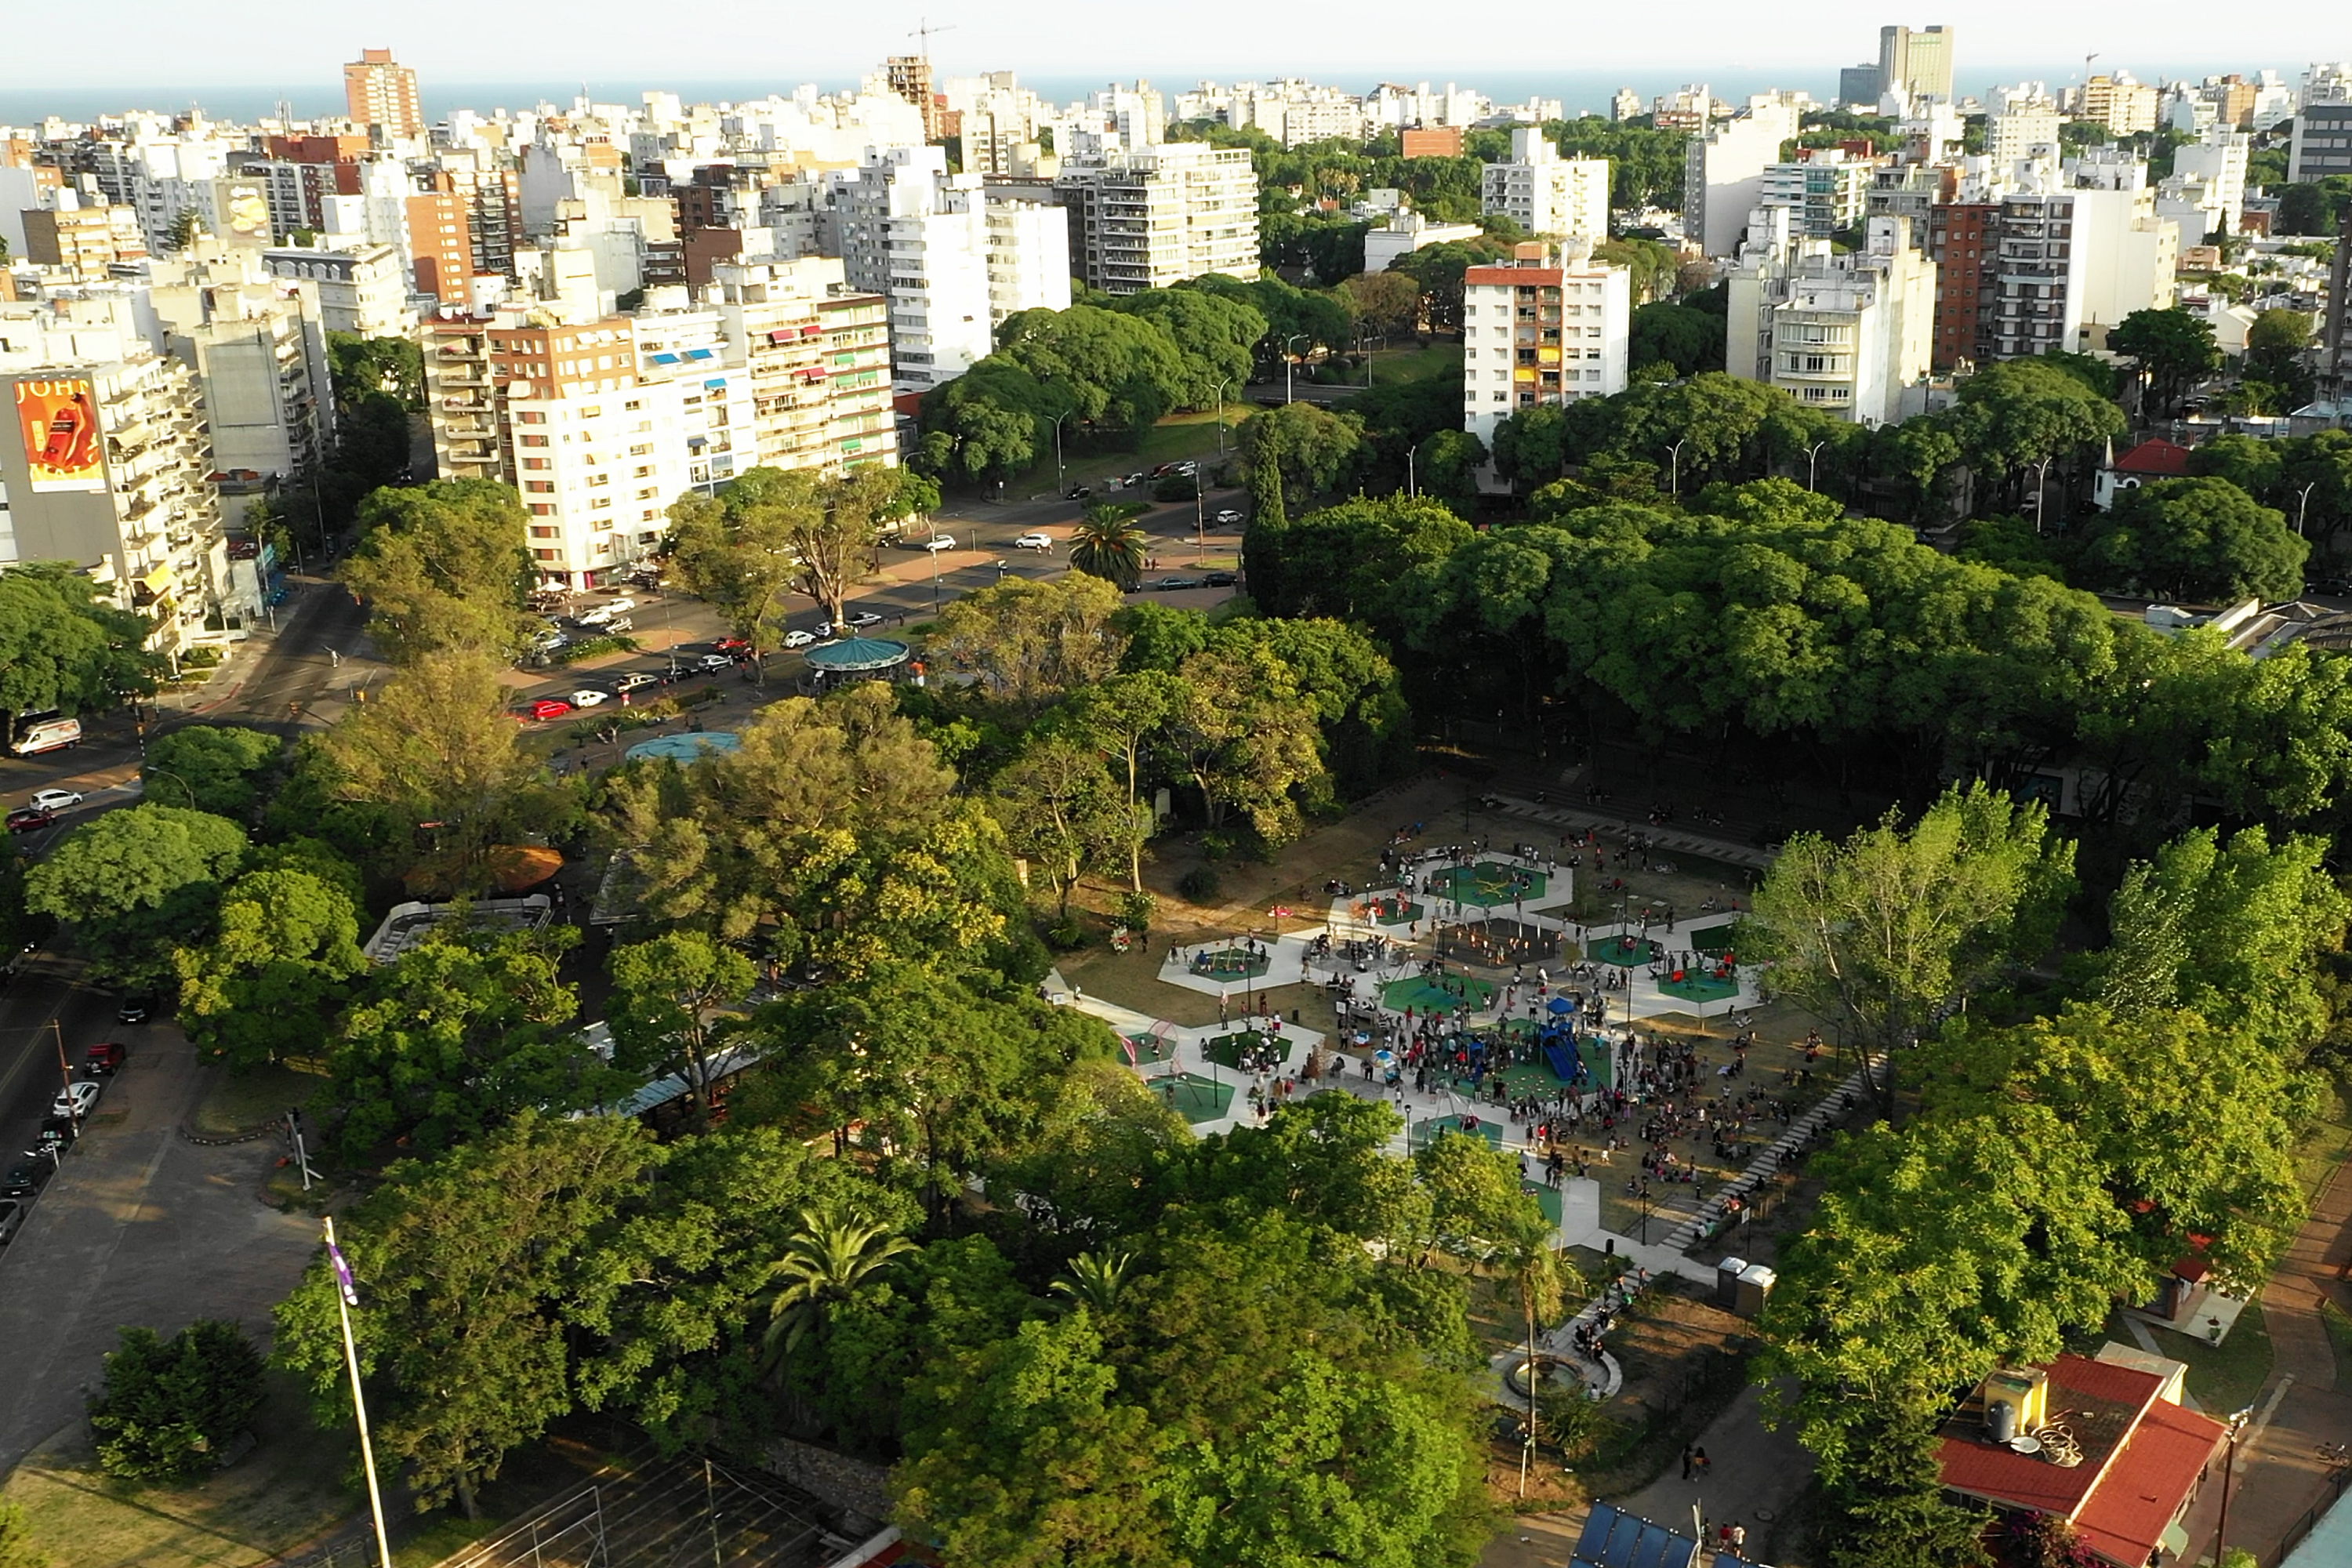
column 346, row 1297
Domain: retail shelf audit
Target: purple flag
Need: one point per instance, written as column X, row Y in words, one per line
column 343, row 1275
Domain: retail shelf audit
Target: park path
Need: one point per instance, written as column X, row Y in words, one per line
column 2281, row 1484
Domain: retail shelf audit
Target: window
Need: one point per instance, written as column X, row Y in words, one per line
column 530, row 417
column 541, row 508
column 534, row 462
column 540, row 487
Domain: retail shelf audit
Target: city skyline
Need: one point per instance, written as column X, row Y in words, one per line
column 180, row 49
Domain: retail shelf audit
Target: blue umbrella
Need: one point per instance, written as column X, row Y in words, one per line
column 1562, row 1005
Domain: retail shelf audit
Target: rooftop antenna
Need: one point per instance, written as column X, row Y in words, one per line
column 925, row 31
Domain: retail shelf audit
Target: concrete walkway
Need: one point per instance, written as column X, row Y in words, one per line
column 1752, row 1477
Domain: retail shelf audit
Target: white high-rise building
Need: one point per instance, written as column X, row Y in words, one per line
column 1546, row 194
column 1153, row 218
column 2014, row 133
column 1550, row 326
column 1722, row 173
column 904, row 227
column 1824, row 191
column 1028, row 258
column 1841, row 334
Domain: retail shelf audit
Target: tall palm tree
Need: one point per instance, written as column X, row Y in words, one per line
column 1108, row 544
column 822, row 1266
column 1096, row 1282
column 1544, row 1278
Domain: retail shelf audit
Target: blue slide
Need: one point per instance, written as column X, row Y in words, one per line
column 1563, row 1058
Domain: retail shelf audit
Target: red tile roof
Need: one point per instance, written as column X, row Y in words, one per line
column 2146, row 1484
column 2157, row 459
column 2141, row 1458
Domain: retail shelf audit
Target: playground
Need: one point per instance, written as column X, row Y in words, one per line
column 1226, row 1051
column 1707, row 984
column 1715, row 941
column 1438, row 993
column 1487, row 884
column 1427, row 1131
column 1195, row 1099
column 1391, row 910
column 1626, row 952
column 1498, row 943
column 1231, row 964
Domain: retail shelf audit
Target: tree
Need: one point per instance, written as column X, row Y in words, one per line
column 170, row 1409
column 461, row 1034
column 2018, row 413
column 438, row 746
column 442, row 568
column 1689, row 340
column 1240, row 733
column 63, row 646
column 269, row 984
column 735, row 550
column 464, row 1266
column 2276, row 342
column 1447, row 467
column 665, row 992
column 129, row 885
column 1115, row 371
column 1309, row 446
column 1528, row 449
column 1874, row 934
column 1651, row 265
column 364, row 367
column 987, row 422
column 1030, row 642
column 215, row 767
column 1060, row 809
column 825, row 1263
column 16, row 1549
column 1118, row 718
column 2204, row 540
column 1215, row 334
column 2175, row 349
column 1478, row 1209
column 1386, row 303
column 1109, row 544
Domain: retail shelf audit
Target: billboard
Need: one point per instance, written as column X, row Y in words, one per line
column 57, row 418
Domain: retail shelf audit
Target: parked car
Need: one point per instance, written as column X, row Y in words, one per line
column 136, row 1007
column 549, row 641
column 23, row 1179
column 12, row 1214
column 75, row 1099
column 1220, row 580
column 1229, row 516
column 55, row 799
column 636, row 680
column 1038, row 541
column 605, row 615
column 1080, row 492
column 1168, row 585
column 797, row 639
column 712, row 663
column 30, row 819
column 105, row 1059
column 588, row 697
column 546, row 708
column 731, row 645
column 617, row 625
column 860, row 619
column 937, row 542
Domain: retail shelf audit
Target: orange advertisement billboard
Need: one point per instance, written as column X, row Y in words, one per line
column 57, row 418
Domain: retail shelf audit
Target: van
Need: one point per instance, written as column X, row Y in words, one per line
column 48, row 736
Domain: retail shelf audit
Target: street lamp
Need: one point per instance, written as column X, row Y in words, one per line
column 1065, row 414
column 1286, row 360
column 2041, row 491
column 1675, row 470
column 1411, row 481
column 1812, row 462
column 2302, row 505
column 1221, row 415
column 147, row 768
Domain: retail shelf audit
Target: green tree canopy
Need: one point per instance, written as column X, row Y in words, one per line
column 129, row 885
column 211, row 767
column 442, row 568
column 2202, row 539
column 269, row 984
column 63, row 646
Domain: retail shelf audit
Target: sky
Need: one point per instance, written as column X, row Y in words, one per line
column 188, row 45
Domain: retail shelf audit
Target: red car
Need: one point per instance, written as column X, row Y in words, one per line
column 105, row 1056
column 30, row 819
column 731, row 645
column 547, row 708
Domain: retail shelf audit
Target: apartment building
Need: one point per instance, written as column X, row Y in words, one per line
column 1546, row 194
column 259, row 346
column 110, row 469
column 1153, row 218
column 1722, row 173
column 2323, row 141
column 819, row 356
column 1550, row 327
column 381, row 95
column 2123, row 106
column 1843, row 333
column 1824, row 192
column 2012, row 133
column 1964, row 242
column 362, row 288
column 1028, row 257
column 84, row 243
column 903, row 227
column 1917, row 61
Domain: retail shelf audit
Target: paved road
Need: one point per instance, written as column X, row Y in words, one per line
column 139, row 1227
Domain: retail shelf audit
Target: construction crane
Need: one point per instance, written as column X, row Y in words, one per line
column 925, row 31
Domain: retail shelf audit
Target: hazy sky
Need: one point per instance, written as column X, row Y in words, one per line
column 202, row 42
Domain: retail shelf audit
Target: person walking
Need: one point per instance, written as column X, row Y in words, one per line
column 1690, row 1455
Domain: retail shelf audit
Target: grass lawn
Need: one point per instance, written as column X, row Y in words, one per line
column 2227, row 1376
column 2327, row 1144
column 1394, row 365
column 287, row 1490
column 234, row 1101
column 1189, row 435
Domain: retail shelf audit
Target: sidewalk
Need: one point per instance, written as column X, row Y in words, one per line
column 1752, row 1477
column 2279, row 1480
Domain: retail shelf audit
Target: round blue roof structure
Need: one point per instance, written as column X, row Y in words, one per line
column 857, row 656
column 685, row 747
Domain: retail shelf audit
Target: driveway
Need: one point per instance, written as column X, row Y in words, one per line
column 139, row 1227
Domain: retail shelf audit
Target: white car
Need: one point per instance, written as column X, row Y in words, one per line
column 938, row 541
column 605, row 613
column 588, row 697
column 1033, row 541
column 76, row 1100
column 799, row 640
column 55, row 799
column 860, row 619
column 1229, row 515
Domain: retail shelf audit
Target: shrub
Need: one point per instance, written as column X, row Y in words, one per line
column 594, row 647
column 1066, row 934
column 1135, row 911
column 170, row 1406
column 1199, row 884
column 1175, row 487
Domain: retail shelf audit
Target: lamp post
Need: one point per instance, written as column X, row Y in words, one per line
column 2302, row 506
column 1812, row 462
column 1286, row 360
column 2237, row 1423
column 1411, row 478
column 2041, row 491
column 1675, row 470
column 147, row 768
column 1065, row 414
column 1221, row 415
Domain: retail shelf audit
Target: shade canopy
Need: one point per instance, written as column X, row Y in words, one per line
column 685, row 747
column 857, row 655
